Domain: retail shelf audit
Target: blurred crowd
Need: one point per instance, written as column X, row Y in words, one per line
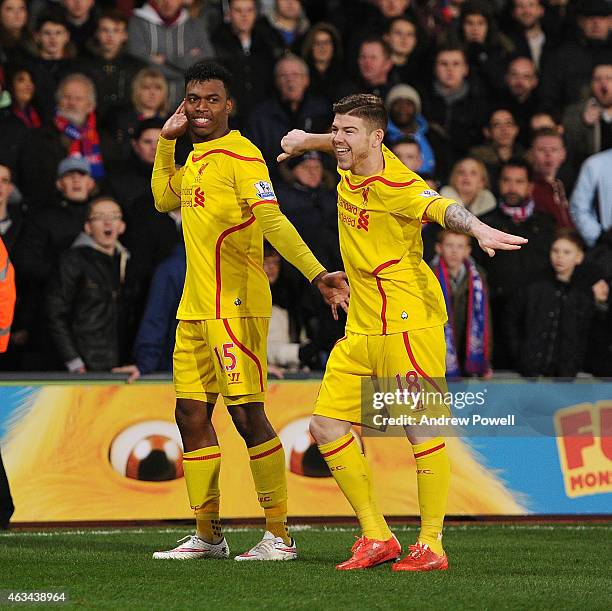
column 503, row 105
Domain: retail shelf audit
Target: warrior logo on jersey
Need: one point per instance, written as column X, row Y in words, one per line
column 264, row 190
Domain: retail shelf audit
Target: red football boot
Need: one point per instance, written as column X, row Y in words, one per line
column 370, row 552
column 421, row 558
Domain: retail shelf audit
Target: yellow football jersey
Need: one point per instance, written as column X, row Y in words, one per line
column 379, row 219
column 220, row 191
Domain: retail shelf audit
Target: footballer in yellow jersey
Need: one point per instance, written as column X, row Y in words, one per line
column 394, row 330
column 228, row 205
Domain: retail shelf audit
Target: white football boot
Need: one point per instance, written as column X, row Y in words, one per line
column 270, row 548
column 192, row 548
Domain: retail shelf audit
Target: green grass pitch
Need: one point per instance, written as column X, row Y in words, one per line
column 557, row 566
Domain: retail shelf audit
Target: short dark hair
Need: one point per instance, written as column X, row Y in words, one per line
column 366, row 106
column 386, row 47
column 102, row 198
column 546, row 131
column 571, row 235
column 51, row 16
column 517, row 162
column 114, row 14
column 451, row 48
column 144, row 125
column 209, row 71
column 406, row 140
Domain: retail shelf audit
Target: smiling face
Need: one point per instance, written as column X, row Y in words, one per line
column 207, row 108
column 353, row 140
column 105, row 224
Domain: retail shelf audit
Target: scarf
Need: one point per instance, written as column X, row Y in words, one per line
column 84, row 141
column 28, row 116
column 477, row 330
column 518, row 213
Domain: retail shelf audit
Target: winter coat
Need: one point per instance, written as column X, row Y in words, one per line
column 92, row 306
column 548, row 324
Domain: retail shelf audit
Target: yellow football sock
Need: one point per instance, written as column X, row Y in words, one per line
column 268, row 469
column 201, row 469
column 433, row 480
column 352, row 473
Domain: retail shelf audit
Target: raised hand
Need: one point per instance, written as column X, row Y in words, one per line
column 335, row 290
column 176, row 125
column 293, row 144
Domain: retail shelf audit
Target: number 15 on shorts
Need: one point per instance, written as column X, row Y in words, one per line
column 228, row 361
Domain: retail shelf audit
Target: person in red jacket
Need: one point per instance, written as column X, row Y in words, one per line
column 7, row 308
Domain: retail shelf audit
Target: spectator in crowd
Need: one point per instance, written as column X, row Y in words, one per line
column 162, row 33
column 540, row 120
column 131, row 181
column 405, row 119
column 408, row 151
column 73, row 131
column 322, row 51
column 566, row 76
column 312, row 207
column 486, row 49
column 287, row 24
column 76, row 123
column 45, row 236
column 93, row 297
column 547, row 155
column 519, row 94
column 528, row 34
column 54, row 56
column 25, row 105
column 588, row 125
column 15, row 38
column 242, row 45
column 154, row 342
column 293, row 107
column 149, row 97
column 409, row 57
column 508, row 271
column 550, row 319
column 501, row 133
column 81, row 20
column 11, row 214
column 374, row 63
column 7, row 303
column 469, row 185
column 453, row 108
column 110, row 65
column 591, row 202
column 468, row 331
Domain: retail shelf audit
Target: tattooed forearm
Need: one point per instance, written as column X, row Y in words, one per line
column 457, row 218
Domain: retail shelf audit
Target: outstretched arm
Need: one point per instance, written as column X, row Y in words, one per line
column 297, row 142
column 457, row 218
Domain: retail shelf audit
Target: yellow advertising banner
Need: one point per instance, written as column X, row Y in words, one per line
column 112, row 452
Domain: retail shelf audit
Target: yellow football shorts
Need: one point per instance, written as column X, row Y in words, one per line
column 361, row 365
column 221, row 356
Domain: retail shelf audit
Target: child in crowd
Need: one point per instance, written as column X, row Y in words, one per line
column 468, row 331
column 551, row 318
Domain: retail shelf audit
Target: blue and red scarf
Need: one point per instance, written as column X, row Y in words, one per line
column 84, row 141
column 477, row 332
